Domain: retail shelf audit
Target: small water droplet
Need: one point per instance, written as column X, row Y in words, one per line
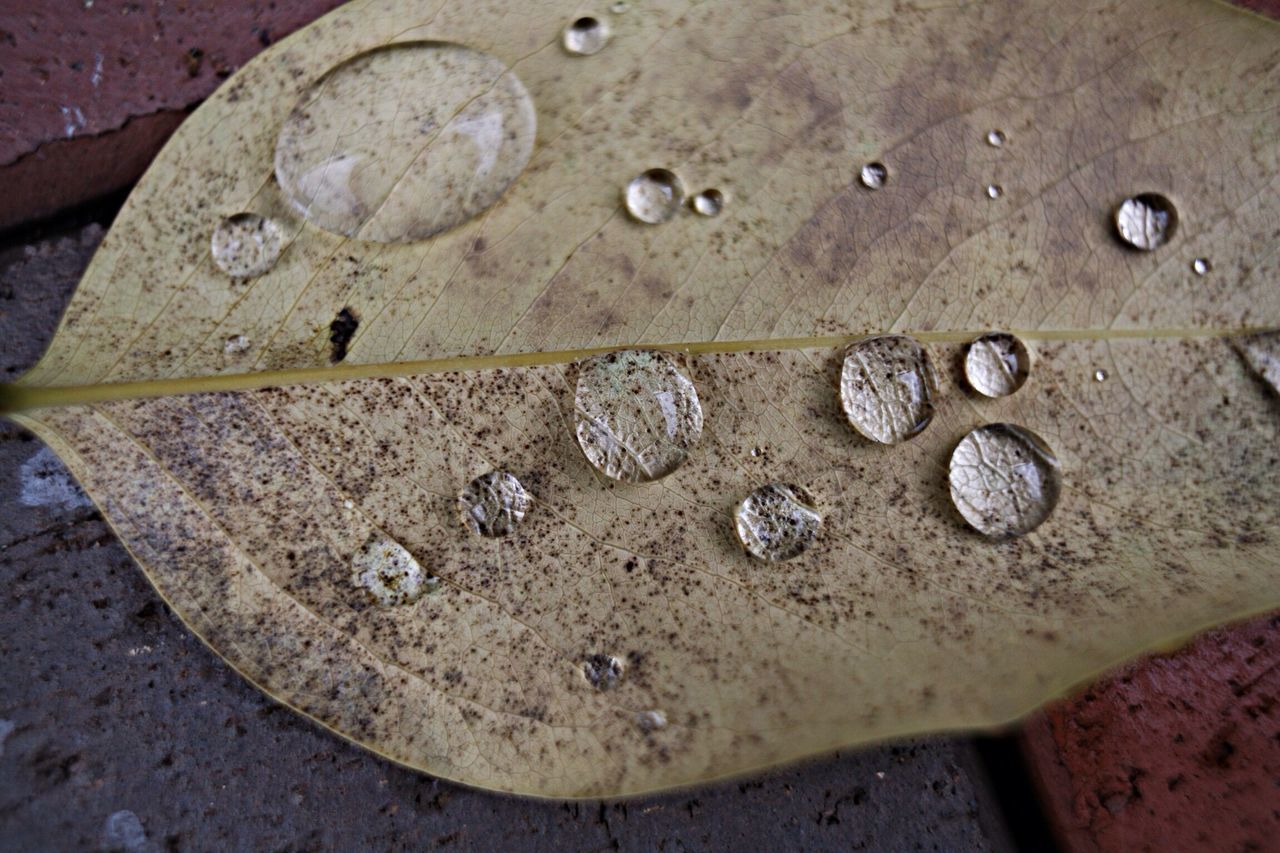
column 1261, row 352
column 994, row 191
column 348, row 504
column 777, row 522
column 405, row 141
column 603, row 672
column 585, row 36
column 620, row 8
column 997, row 364
column 1201, row 266
column 246, row 245
column 1100, row 375
column 995, row 138
column 654, row 196
column 236, row 344
column 709, row 202
column 637, row 416
column 390, row 573
column 494, row 504
column 887, row 387
column 1005, row 480
column 651, row 721
column 756, row 451
column 874, row 176
column 1146, row 221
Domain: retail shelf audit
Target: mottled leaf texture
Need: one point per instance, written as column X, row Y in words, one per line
column 249, row 440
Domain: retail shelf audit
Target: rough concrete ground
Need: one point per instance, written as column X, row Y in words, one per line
column 120, row 730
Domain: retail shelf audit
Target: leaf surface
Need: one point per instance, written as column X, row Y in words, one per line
column 246, row 472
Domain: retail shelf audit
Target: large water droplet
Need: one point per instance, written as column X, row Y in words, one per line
column 1262, row 353
column 494, row 504
column 997, row 364
column 405, row 141
column 390, row 573
column 873, row 176
column 637, row 415
column 603, row 672
column 709, row 202
column 585, row 36
column 246, row 245
column 777, row 522
column 654, row 196
column 1004, row 480
column 1146, row 221
column 887, row 387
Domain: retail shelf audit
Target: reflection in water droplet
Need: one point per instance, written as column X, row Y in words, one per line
column 1100, row 375
column 246, row 245
column 651, row 721
column 493, row 504
column 1004, row 480
column 1146, row 221
column 887, row 387
column 777, row 522
column 405, row 141
column 709, row 202
column 995, row 138
column 390, row 573
column 874, row 176
column 1262, row 353
column 994, row 191
column 235, row 345
column 603, row 672
column 637, row 415
column 997, row 364
column 654, row 196
column 585, row 36
column 1200, row 266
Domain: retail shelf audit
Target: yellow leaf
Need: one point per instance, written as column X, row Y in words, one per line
column 284, row 454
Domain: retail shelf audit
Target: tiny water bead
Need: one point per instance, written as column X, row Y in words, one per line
column 997, row 364
column 874, row 176
column 603, row 672
column 620, row 8
column 994, row 191
column 1100, row 375
column 585, row 36
column 637, row 416
column 235, row 345
column 246, row 245
column 390, row 573
column 651, row 721
column 995, row 138
column 1201, row 266
column 493, row 504
column 405, row 141
column 709, row 202
column 1005, row 480
column 887, row 387
column 1146, row 221
column 777, row 522
column 654, row 196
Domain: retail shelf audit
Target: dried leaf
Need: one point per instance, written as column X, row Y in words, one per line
column 619, row 639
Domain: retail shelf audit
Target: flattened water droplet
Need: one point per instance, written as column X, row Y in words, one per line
column 603, row 672
column 1146, row 221
column 585, row 36
column 236, row 344
column 1262, row 353
column 637, row 416
column 994, row 191
column 390, row 573
column 494, row 504
column 1200, row 266
column 1100, row 375
column 887, row 387
column 620, row 8
column 709, row 202
column 246, row 245
column 777, row 522
column 995, row 138
column 874, row 176
column 1004, row 480
column 405, row 141
column 651, row 721
column 654, row 196
column 997, row 364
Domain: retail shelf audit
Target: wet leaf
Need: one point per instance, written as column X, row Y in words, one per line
column 273, row 449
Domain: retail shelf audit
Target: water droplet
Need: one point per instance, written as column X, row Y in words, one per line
column 236, row 344
column 887, row 387
column 874, row 176
column 1146, row 221
column 654, row 196
column 709, row 202
column 994, row 191
column 1200, row 266
column 637, row 416
column 620, row 8
column 997, row 364
column 585, row 36
column 995, row 138
column 405, row 141
column 246, row 245
column 651, row 721
column 1004, row 480
column 390, row 573
column 1100, row 375
column 1262, row 353
column 494, row 504
column 603, row 672
column 756, row 451
column 348, row 504
column 777, row 522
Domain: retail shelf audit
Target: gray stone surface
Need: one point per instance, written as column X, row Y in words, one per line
column 120, row 730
